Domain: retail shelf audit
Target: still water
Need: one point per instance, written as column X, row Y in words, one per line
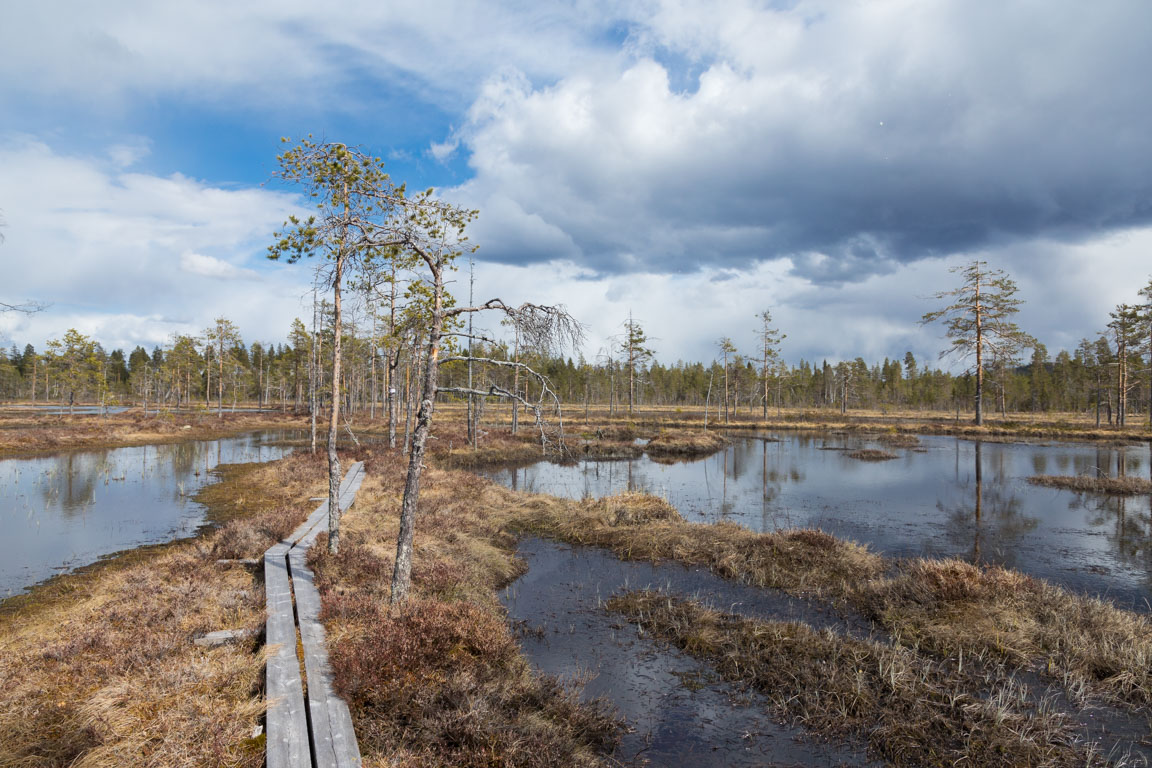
column 61, row 512
column 945, row 498
column 678, row 711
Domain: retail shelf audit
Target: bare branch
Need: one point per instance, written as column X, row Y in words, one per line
column 547, row 328
column 26, row 308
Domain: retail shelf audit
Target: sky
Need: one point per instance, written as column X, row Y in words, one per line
column 689, row 163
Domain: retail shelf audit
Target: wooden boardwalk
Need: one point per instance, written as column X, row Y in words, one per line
column 317, row 732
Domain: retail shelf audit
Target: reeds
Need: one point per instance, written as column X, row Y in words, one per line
column 911, row 709
column 948, row 606
column 682, row 443
column 871, row 454
column 1114, row 485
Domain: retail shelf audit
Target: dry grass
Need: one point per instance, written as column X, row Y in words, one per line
column 450, row 449
column 442, row 682
column 100, row 669
column 950, row 607
column 801, row 561
column 606, row 450
column 871, row 454
column 912, row 710
column 899, row 440
column 1117, row 485
column 1069, row 426
column 673, row 444
column 24, row 434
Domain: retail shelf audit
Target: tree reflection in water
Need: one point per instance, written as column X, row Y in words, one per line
column 993, row 520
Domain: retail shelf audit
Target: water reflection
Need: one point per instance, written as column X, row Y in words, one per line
column 947, row 497
column 992, row 524
column 64, row 511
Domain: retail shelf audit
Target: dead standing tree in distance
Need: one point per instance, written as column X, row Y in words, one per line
column 434, row 233
column 544, row 329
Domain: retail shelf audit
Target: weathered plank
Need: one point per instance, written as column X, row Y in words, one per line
column 324, row 736
column 287, row 742
column 333, row 738
column 222, row 637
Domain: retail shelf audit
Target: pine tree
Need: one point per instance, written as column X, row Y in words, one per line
column 979, row 321
column 770, row 339
column 635, row 354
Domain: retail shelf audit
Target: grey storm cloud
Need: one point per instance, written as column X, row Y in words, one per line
column 850, row 143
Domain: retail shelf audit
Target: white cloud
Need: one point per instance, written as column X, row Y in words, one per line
column 442, row 151
column 136, row 257
column 265, row 51
column 693, row 161
column 129, row 153
column 208, row 266
column 849, row 137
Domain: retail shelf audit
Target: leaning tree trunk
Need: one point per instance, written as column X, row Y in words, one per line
column 402, row 571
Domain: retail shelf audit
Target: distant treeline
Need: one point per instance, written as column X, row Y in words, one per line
column 219, row 369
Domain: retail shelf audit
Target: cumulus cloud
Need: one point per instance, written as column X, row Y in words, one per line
column 265, row 51
column 849, row 137
column 1067, row 292
column 694, row 161
column 158, row 254
column 208, row 266
column 661, row 135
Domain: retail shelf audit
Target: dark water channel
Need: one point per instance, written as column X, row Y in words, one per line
column 68, row 510
column 680, row 713
column 947, row 497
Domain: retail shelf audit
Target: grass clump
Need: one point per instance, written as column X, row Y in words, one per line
column 800, row 561
column 674, row 444
column 24, row 434
column 871, row 454
column 631, row 508
column 946, row 606
column 950, row 606
column 899, row 440
column 912, row 710
column 1115, row 485
column 443, row 683
column 606, row 450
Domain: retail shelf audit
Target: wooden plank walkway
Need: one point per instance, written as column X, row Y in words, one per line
column 316, row 733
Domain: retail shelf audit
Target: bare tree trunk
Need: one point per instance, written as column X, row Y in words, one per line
column 402, row 572
column 393, row 405
column 372, row 393
column 979, row 358
column 410, row 390
column 393, row 361
column 334, row 421
column 333, row 424
column 314, row 372
column 516, row 383
column 220, row 381
column 708, row 398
